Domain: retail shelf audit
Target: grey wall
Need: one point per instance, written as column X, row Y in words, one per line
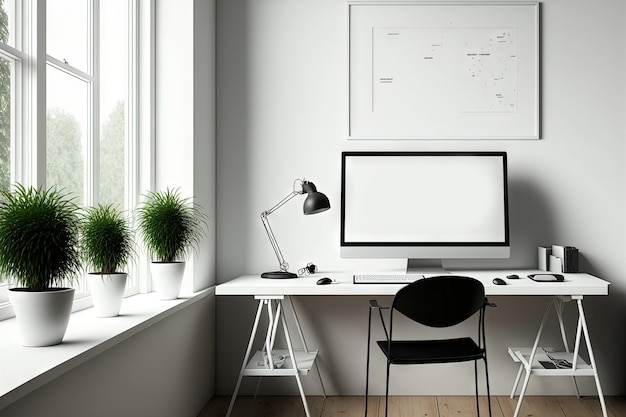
column 166, row 370
column 281, row 115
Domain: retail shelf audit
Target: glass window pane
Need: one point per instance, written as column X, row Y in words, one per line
column 68, row 32
column 114, row 89
column 6, row 121
column 67, row 127
column 6, row 133
column 7, row 105
column 7, row 22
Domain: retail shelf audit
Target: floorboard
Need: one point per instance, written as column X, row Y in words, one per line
column 426, row 406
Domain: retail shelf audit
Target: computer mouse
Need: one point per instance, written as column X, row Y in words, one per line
column 513, row 276
column 324, row 281
column 499, row 281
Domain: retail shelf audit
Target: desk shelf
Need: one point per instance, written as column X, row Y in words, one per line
column 522, row 356
column 304, row 360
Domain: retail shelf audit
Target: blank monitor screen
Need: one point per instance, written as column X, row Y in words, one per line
column 424, row 205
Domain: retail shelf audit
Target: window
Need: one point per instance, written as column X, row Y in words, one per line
column 89, row 101
column 89, row 133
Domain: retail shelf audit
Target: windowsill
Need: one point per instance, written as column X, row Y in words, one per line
column 24, row 369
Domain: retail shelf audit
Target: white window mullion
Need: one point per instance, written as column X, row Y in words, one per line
column 91, row 151
column 16, row 113
column 131, row 167
column 36, row 70
column 92, row 164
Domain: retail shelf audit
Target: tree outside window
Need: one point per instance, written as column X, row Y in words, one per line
column 5, row 104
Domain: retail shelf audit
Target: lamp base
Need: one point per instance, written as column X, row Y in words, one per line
column 278, row 275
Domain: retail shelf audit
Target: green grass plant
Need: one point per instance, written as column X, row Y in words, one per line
column 171, row 226
column 106, row 239
column 39, row 237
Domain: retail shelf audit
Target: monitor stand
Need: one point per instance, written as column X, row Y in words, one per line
column 425, row 266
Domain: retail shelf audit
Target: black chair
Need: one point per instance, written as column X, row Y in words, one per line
column 440, row 301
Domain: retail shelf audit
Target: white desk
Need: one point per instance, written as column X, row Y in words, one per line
column 271, row 294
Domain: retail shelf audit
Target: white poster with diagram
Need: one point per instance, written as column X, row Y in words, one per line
column 444, row 70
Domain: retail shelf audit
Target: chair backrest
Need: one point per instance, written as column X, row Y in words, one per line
column 440, row 301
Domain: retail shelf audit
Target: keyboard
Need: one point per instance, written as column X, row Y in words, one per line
column 386, row 279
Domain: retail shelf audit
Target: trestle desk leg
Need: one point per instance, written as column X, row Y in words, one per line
column 306, row 348
column 517, row 379
column 583, row 320
column 558, row 307
column 273, row 315
column 295, row 366
column 276, row 318
column 531, row 359
column 246, row 357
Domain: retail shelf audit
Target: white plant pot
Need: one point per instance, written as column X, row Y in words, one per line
column 167, row 277
column 107, row 293
column 42, row 316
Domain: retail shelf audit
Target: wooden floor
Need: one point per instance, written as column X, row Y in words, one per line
column 414, row 406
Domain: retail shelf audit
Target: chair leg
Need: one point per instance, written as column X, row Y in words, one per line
column 487, row 381
column 387, row 389
column 476, row 388
column 367, row 380
column 367, row 369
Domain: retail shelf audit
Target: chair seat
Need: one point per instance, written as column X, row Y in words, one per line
column 409, row 352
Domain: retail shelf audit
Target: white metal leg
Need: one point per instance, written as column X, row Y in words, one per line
column 246, row 357
column 517, row 379
column 531, row 359
column 592, row 360
column 559, row 303
column 276, row 318
column 295, row 316
column 296, row 374
column 581, row 329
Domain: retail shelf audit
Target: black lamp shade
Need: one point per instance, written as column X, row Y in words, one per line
column 315, row 202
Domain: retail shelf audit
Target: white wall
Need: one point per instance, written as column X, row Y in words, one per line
column 281, row 115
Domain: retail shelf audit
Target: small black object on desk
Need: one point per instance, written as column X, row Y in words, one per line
column 547, row 277
column 324, row 281
column 499, row 281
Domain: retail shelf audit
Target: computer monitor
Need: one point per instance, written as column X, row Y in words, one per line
column 424, row 206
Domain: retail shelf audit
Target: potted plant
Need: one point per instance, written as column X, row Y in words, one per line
column 171, row 227
column 39, row 252
column 107, row 245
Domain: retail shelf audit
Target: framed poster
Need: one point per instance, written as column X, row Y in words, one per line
column 443, row 70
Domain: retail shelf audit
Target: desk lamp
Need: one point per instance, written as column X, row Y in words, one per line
column 315, row 202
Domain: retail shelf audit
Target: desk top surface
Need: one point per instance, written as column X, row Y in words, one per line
column 578, row 284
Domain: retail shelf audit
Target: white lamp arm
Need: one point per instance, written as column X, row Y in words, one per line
column 284, row 266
